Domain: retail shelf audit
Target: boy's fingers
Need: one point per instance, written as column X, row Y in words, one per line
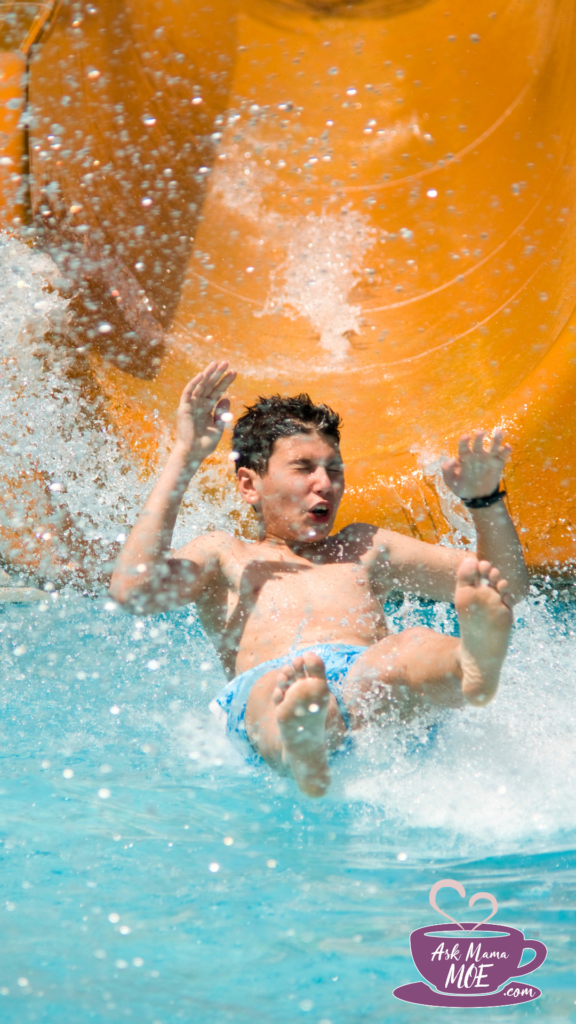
column 190, row 387
column 211, row 375
column 496, row 443
column 205, row 386
column 205, row 377
column 222, row 414
column 217, row 383
column 220, row 386
column 464, row 445
column 478, row 442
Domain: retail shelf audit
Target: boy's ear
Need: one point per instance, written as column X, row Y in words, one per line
column 248, row 481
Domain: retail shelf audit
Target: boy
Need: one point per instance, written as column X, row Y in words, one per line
column 297, row 616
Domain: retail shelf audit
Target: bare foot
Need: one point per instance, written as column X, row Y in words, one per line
column 482, row 600
column 301, row 698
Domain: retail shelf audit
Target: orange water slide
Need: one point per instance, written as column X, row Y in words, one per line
column 373, row 201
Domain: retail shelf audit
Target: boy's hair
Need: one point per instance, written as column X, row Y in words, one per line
column 272, row 418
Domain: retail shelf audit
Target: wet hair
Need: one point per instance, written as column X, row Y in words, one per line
column 272, row 418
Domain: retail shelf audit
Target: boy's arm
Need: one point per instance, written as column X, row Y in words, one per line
column 145, row 578
column 430, row 569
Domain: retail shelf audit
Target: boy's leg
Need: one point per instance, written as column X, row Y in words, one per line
column 293, row 721
column 420, row 665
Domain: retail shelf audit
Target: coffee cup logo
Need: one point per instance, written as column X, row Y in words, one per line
column 470, row 965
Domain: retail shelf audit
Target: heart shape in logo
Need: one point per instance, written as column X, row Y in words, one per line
column 450, row 883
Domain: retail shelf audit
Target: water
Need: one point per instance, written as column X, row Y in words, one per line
column 148, row 874
column 308, row 912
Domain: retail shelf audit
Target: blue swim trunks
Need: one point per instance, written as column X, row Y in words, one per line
column 230, row 704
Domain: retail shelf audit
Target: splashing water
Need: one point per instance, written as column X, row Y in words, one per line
column 324, row 252
column 323, row 263
column 500, row 778
column 48, row 422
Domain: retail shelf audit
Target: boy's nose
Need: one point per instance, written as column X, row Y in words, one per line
column 321, row 478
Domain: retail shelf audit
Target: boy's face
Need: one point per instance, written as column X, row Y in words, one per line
column 299, row 495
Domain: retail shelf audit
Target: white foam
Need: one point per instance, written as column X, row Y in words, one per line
column 501, row 775
column 324, row 260
column 48, row 425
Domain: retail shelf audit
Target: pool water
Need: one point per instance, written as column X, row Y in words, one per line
column 148, row 874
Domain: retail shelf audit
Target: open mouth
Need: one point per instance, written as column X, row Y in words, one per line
column 321, row 513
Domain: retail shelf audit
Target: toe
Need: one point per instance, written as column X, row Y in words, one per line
column 494, row 576
column 484, row 569
column 504, row 593
column 313, row 665
column 468, row 574
column 297, row 666
column 285, row 679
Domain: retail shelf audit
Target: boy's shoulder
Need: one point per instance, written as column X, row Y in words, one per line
column 366, row 534
column 216, row 543
column 210, row 543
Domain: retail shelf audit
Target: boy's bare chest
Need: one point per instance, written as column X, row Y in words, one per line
column 273, row 587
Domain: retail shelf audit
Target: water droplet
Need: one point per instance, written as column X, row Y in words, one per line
column 147, row 201
column 68, row 773
column 114, row 710
column 402, row 856
column 270, row 863
column 104, row 328
column 214, row 867
column 104, row 794
column 148, row 120
column 228, row 841
column 94, row 74
column 432, row 193
column 197, row 101
column 113, row 918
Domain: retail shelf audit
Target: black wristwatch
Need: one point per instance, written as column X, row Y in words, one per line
column 486, row 500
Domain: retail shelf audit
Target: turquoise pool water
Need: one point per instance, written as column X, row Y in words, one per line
column 148, row 875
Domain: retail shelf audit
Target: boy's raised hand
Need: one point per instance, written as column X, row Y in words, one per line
column 477, row 470
column 203, row 412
